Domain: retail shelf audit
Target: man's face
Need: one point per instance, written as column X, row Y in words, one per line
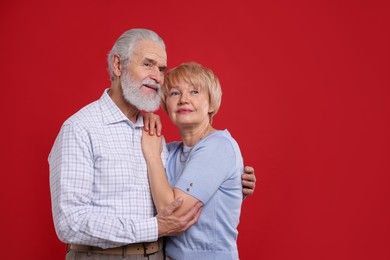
column 141, row 82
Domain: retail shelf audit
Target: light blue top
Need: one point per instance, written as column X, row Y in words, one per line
column 211, row 172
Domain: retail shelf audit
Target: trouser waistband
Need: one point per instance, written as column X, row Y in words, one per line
column 131, row 249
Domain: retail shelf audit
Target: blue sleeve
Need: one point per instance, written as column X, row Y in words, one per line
column 210, row 164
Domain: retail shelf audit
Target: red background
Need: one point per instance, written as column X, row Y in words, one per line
column 306, row 95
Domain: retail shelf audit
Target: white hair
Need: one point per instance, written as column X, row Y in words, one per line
column 131, row 93
column 126, row 43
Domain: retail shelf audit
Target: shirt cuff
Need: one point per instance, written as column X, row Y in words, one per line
column 146, row 230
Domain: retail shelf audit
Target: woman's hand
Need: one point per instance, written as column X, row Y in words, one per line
column 152, row 123
column 151, row 146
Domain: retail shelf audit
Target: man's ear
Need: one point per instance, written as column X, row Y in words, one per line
column 116, row 65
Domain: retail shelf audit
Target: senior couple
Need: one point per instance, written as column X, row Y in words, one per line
column 119, row 191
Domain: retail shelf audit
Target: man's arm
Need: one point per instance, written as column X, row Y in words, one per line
column 75, row 217
column 171, row 225
column 74, row 213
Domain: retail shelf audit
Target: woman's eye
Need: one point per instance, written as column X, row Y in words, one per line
column 174, row 93
column 194, row 92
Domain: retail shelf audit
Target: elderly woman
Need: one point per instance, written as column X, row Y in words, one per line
column 206, row 166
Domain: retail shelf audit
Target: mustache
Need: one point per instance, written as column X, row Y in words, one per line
column 151, row 83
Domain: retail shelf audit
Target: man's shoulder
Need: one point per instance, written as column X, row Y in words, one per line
column 88, row 114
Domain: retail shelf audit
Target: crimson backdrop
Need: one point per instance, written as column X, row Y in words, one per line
column 306, row 94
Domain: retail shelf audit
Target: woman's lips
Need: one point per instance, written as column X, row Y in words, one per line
column 184, row 111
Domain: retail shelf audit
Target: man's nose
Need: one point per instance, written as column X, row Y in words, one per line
column 157, row 75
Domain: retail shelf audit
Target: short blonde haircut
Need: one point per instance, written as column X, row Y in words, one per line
column 198, row 76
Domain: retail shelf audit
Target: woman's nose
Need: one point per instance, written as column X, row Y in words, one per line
column 183, row 99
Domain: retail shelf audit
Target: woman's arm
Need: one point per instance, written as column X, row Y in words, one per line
column 162, row 192
column 152, row 124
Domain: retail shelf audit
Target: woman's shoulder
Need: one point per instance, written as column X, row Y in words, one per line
column 220, row 146
column 219, row 140
column 172, row 146
column 220, row 137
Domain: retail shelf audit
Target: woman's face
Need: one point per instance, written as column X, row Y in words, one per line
column 188, row 105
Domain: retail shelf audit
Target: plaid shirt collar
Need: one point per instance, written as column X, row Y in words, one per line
column 111, row 114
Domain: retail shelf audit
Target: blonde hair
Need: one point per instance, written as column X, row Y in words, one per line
column 198, row 76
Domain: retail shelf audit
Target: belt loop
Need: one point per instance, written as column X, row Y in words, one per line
column 162, row 242
column 89, row 253
column 145, row 255
column 124, row 251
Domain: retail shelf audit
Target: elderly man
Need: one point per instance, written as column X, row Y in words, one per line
column 101, row 201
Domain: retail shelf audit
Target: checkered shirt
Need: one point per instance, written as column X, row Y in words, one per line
column 98, row 179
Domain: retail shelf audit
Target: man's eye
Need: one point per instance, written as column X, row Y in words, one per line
column 148, row 65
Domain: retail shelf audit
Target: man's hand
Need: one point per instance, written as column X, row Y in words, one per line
column 171, row 225
column 248, row 181
column 152, row 123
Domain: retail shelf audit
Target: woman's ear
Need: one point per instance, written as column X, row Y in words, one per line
column 211, row 110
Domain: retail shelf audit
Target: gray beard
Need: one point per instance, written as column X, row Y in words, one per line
column 130, row 90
